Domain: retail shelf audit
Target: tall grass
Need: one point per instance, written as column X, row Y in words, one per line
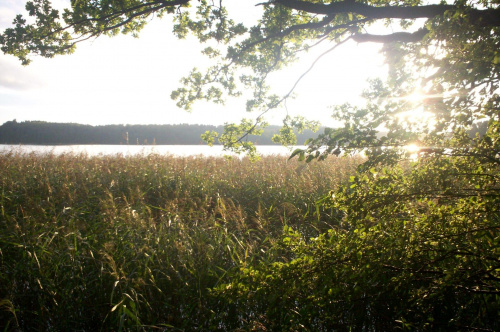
column 114, row 242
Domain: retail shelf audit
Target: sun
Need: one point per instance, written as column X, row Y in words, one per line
column 412, row 148
column 418, row 112
column 416, row 97
column 412, row 151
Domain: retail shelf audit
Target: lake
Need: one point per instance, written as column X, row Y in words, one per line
column 131, row 150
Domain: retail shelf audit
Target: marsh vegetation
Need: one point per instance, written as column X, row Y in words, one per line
column 113, row 242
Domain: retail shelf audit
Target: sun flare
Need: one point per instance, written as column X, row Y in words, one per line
column 419, row 112
column 412, row 148
column 412, row 151
column 416, row 96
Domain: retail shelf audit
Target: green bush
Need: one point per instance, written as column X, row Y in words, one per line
column 414, row 251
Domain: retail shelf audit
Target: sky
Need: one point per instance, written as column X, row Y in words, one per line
column 126, row 80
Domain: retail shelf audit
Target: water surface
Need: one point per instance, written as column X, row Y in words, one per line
column 131, row 150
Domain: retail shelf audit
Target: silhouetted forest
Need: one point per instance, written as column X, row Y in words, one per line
column 48, row 133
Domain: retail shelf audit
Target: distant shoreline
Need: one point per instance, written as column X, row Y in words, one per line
column 51, row 133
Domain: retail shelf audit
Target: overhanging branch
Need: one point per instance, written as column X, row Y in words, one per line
column 404, row 37
column 485, row 17
column 288, row 31
column 349, row 6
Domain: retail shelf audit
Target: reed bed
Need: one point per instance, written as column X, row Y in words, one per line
column 136, row 243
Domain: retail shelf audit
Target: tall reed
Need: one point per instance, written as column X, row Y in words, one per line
column 114, row 242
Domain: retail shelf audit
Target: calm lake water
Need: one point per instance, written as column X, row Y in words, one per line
column 130, row 150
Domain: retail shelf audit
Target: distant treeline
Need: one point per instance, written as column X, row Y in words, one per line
column 48, row 133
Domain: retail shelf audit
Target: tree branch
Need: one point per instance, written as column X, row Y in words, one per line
column 404, row 37
column 287, row 31
column 285, row 97
column 485, row 17
column 406, row 12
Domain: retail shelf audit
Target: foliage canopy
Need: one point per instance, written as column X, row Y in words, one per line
column 447, row 51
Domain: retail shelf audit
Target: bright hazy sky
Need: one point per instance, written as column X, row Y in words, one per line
column 126, row 80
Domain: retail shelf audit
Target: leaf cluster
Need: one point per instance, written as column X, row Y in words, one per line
column 417, row 248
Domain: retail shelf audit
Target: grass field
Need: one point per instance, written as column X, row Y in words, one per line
column 91, row 243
